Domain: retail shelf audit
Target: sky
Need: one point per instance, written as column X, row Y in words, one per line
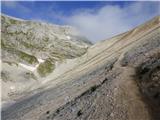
column 96, row 20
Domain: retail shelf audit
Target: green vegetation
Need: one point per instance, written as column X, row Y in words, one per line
column 58, row 55
column 12, row 21
column 45, row 68
column 22, row 55
column 28, row 58
column 27, row 45
column 2, row 44
column 17, row 41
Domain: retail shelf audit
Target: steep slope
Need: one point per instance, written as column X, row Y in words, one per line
column 31, row 51
column 117, row 79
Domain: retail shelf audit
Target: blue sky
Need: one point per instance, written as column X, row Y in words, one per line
column 41, row 10
column 95, row 20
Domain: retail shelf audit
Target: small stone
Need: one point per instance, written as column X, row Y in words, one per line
column 112, row 114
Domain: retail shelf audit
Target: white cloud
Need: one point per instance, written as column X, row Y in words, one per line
column 111, row 20
column 15, row 5
column 95, row 24
column 11, row 4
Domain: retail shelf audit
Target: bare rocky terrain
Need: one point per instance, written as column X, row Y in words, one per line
column 32, row 52
column 116, row 79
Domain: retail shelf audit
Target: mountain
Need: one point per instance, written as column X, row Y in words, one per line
column 116, row 79
column 31, row 51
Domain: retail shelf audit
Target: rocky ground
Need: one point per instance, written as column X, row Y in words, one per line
column 31, row 51
column 117, row 79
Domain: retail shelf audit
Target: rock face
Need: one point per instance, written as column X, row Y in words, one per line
column 116, row 79
column 31, row 51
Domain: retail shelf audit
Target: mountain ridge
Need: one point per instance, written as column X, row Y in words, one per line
column 31, row 51
column 103, row 83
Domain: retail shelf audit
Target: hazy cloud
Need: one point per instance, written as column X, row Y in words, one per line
column 94, row 23
column 15, row 5
column 10, row 4
column 111, row 20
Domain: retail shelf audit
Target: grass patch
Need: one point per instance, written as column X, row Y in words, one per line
column 45, row 68
column 28, row 58
column 2, row 44
column 22, row 56
column 12, row 21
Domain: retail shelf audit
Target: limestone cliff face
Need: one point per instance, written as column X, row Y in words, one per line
column 33, row 50
column 116, row 79
column 27, row 41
